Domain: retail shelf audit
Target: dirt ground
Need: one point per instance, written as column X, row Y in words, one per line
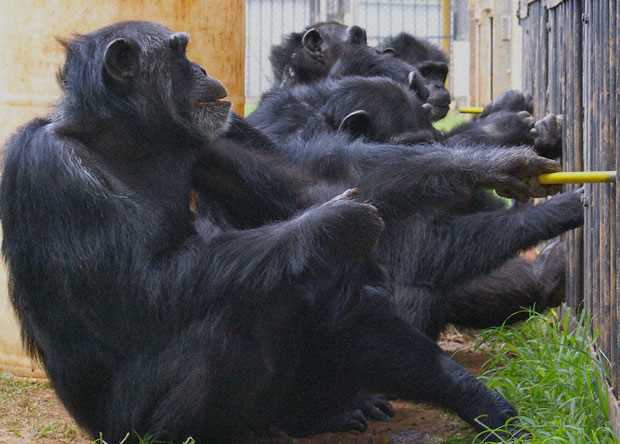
column 30, row 412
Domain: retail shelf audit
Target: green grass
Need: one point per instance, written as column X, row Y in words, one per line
column 142, row 440
column 549, row 374
column 452, row 120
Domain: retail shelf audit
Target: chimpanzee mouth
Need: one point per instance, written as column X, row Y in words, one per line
column 211, row 116
column 437, row 112
column 215, row 104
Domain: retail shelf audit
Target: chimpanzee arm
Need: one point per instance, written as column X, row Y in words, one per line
column 486, row 240
column 510, row 128
column 319, row 239
column 505, row 128
column 251, row 187
column 400, row 179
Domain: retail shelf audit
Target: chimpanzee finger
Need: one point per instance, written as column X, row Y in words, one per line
column 541, row 165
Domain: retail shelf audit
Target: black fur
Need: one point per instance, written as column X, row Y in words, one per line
column 294, row 62
column 392, row 113
column 422, row 289
column 150, row 322
column 429, row 60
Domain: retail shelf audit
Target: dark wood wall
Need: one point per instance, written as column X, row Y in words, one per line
column 571, row 53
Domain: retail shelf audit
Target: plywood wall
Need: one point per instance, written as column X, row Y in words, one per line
column 30, row 57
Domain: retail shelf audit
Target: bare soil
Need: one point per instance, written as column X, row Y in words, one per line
column 31, row 413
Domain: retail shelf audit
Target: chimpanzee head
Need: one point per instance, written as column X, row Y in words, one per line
column 308, row 56
column 137, row 74
column 378, row 109
column 430, row 62
column 368, row 62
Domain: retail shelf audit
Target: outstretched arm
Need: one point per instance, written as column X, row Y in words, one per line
column 399, row 179
column 486, row 240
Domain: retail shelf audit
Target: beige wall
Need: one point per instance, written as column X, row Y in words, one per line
column 495, row 38
column 30, row 57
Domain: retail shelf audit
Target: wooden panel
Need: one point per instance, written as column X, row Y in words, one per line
column 30, row 57
column 571, row 53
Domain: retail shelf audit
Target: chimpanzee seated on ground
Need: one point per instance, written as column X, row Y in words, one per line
column 309, row 137
column 152, row 322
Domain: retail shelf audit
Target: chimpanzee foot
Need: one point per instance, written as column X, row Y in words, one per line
column 512, row 100
column 570, row 206
column 547, row 134
column 375, row 407
column 509, row 128
column 550, row 267
column 350, row 421
column 352, row 227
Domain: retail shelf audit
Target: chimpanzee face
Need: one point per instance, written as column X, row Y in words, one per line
column 435, row 74
column 155, row 72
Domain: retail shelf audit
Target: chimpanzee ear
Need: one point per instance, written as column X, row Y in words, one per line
column 357, row 124
column 312, row 40
column 121, row 59
column 417, row 84
column 178, row 42
column 389, row 51
column 357, row 36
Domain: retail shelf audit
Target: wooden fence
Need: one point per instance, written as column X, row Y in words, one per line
column 571, row 53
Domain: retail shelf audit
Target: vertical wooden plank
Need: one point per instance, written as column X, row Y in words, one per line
column 614, row 63
column 573, row 144
column 586, row 100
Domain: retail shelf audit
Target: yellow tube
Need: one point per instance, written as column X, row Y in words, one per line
column 577, row 177
column 470, row 109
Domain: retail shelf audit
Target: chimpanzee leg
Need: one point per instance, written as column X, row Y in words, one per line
column 371, row 348
column 505, row 294
column 211, row 383
column 387, row 355
column 502, row 296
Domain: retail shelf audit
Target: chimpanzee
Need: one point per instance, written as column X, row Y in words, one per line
column 150, row 321
column 431, row 63
column 303, row 136
column 377, row 108
column 384, row 110
column 506, row 121
column 307, row 56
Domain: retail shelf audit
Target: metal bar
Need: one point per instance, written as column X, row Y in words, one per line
column 577, row 177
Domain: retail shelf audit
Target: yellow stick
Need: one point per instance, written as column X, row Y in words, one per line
column 577, row 177
column 470, row 109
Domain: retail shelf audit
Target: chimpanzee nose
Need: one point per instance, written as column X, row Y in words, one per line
column 439, row 95
column 215, row 90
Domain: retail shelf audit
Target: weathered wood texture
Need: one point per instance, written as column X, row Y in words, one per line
column 571, row 60
column 30, row 57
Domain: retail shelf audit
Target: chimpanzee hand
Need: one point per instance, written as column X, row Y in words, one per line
column 547, row 134
column 515, row 174
column 512, row 100
column 508, row 128
column 352, row 227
